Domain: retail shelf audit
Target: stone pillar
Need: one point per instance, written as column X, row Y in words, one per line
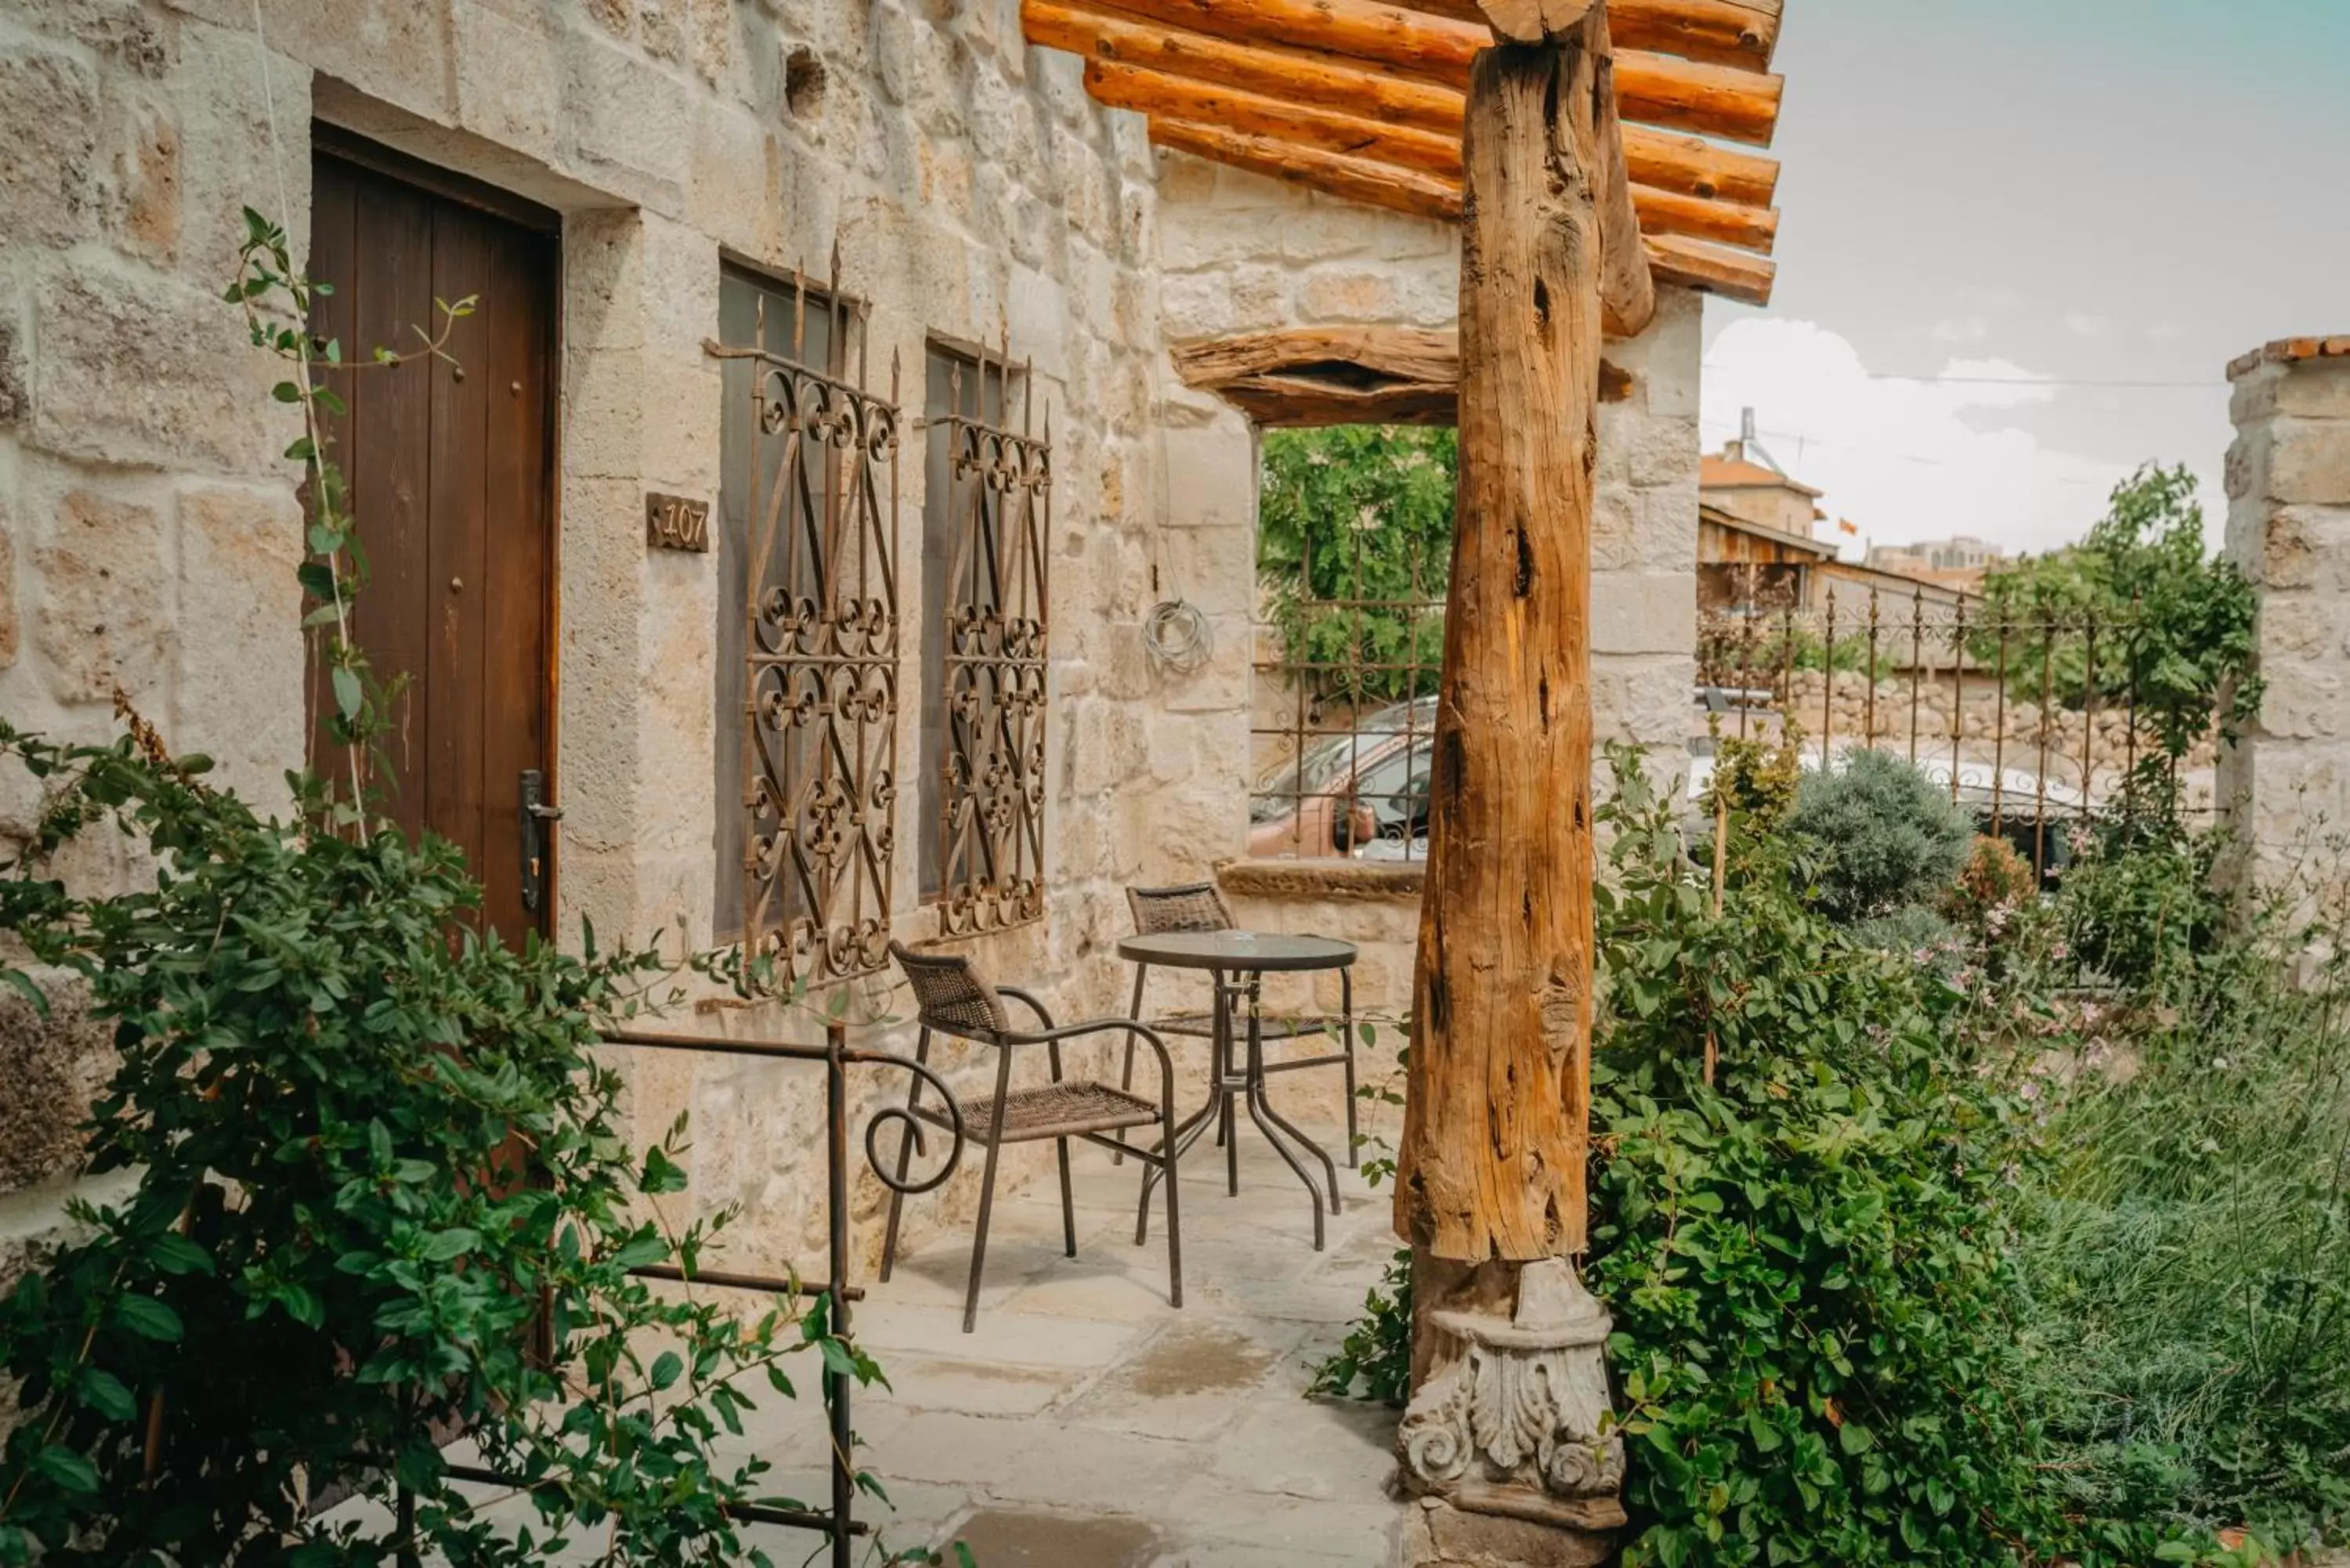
column 2289, row 529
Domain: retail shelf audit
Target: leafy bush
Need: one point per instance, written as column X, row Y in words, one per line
column 1806, row 1260
column 381, row 1197
column 1354, row 537
column 1886, row 835
column 2140, row 904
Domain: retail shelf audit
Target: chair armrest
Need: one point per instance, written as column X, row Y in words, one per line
column 1028, row 1000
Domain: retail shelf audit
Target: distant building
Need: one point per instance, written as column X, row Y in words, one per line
column 1758, row 547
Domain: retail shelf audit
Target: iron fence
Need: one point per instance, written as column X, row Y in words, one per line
column 2030, row 716
column 1344, row 713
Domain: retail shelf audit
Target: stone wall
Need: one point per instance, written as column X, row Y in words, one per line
column 969, row 188
column 149, row 532
column 2289, row 528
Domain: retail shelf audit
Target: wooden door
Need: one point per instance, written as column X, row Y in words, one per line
column 449, row 461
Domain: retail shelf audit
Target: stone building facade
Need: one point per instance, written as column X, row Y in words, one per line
column 972, row 194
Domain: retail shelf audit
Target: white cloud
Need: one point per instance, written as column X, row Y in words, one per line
column 1904, row 460
column 1961, row 329
column 2080, row 323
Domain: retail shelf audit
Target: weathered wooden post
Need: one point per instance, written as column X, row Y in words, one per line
column 1506, row 1434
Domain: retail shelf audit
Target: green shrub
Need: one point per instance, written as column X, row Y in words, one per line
column 1886, row 835
column 381, row 1196
column 1807, row 1260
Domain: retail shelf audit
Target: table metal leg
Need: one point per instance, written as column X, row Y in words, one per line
column 1261, row 1113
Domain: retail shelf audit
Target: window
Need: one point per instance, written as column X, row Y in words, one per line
column 806, row 632
column 986, row 517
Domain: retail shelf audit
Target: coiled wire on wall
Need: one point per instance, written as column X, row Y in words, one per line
column 1178, row 637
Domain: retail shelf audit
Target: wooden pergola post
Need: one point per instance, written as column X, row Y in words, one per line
column 1495, row 1132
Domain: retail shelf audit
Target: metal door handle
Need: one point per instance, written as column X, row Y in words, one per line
column 535, row 815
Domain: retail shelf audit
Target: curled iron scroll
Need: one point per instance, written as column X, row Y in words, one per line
column 913, row 1125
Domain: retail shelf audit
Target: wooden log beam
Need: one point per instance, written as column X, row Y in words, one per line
column 1684, row 94
column 1300, row 376
column 1313, row 79
column 1687, row 165
column 1159, row 93
column 1363, row 180
column 1719, row 32
column 1421, row 173
column 1627, row 290
column 1495, row 1117
column 1692, row 166
column 1733, row 275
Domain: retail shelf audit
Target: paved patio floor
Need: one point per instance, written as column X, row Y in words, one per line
column 1087, row 1424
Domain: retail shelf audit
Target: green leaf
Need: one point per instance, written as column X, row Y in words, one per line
column 68, row 1469
column 175, row 1254
column 667, row 1368
column 347, row 691
column 103, row 1392
column 455, row 1243
column 149, row 1318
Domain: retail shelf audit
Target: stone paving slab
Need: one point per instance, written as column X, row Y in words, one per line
column 1087, row 1424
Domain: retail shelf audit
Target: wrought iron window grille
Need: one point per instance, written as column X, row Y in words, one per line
column 818, row 723
column 988, row 710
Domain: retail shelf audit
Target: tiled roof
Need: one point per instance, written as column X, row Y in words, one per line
column 1737, row 473
column 2289, row 351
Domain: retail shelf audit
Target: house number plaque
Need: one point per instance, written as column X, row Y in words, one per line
column 674, row 523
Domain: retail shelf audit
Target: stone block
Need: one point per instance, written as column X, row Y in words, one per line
column 1437, row 1535
column 144, row 209
column 48, row 144
column 631, row 133
column 1349, row 295
column 121, row 33
column 2313, row 389
column 241, row 656
column 1644, row 612
column 2308, row 462
column 1659, row 452
column 2304, row 701
column 51, row 1068
column 99, row 582
column 138, row 370
column 510, row 76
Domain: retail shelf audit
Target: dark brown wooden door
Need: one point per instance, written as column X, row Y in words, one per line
column 450, row 465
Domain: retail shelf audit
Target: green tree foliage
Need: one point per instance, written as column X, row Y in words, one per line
column 1886, row 835
column 1354, row 546
column 2175, row 626
column 375, row 1158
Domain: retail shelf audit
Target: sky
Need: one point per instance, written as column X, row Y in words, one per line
column 2017, row 196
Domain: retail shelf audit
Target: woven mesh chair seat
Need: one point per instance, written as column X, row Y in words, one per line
column 1052, row 1110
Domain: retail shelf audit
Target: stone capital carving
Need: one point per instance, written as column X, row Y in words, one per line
column 1517, row 1421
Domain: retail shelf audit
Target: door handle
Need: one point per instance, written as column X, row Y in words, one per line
column 536, row 815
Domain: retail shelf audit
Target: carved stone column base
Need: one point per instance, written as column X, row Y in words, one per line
column 1509, row 1442
column 1438, row 1536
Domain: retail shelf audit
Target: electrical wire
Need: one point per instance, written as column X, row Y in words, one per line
column 1177, row 637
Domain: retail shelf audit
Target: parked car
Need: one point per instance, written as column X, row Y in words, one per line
column 1350, row 793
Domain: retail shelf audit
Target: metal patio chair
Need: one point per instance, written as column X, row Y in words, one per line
column 952, row 998
column 1200, row 906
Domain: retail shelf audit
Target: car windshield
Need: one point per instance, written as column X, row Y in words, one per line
column 1330, row 762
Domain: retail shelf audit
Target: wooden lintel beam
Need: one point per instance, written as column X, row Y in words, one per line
column 1693, row 264
column 1658, row 89
column 1719, row 32
column 1363, row 180
column 1627, row 290
column 1303, row 376
column 1692, row 166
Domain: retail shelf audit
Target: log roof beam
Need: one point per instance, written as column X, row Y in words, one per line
column 1364, row 99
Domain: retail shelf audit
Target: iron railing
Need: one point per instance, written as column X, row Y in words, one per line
column 1343, row 720
column 838, row 1520
column 2031, row 716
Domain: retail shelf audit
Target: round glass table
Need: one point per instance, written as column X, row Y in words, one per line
column 1239, row 962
